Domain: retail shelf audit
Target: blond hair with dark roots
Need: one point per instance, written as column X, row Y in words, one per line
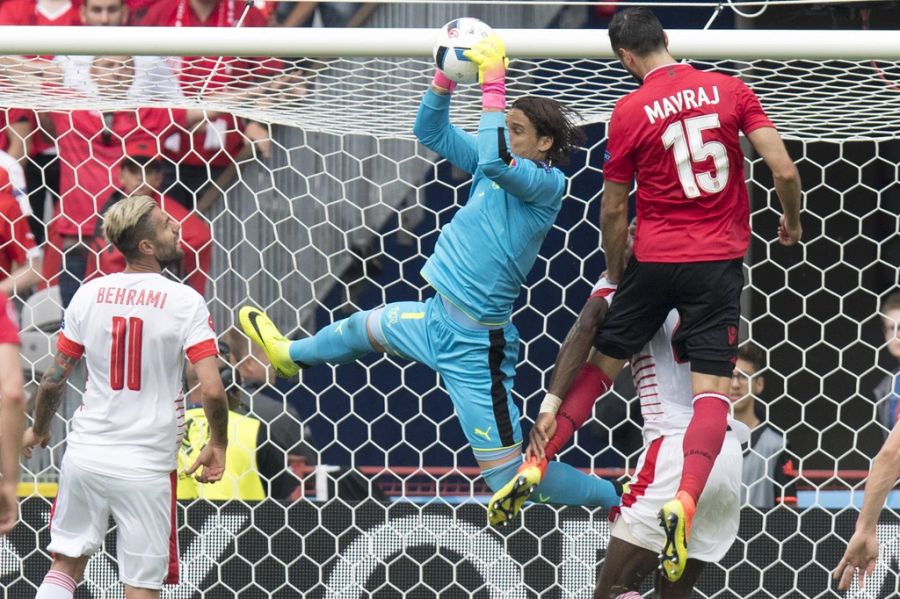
column 127, row 223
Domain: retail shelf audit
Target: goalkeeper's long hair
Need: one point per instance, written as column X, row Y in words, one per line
column 556, row 120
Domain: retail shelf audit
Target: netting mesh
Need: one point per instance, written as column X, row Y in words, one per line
column 339, row 212
column 380, row 96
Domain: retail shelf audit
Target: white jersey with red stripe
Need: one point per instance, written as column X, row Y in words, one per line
column 663, row 385
column 134, row 331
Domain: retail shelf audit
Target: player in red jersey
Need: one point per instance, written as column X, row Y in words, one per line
column 134, row 330
column 12, row 414
column 678, row 135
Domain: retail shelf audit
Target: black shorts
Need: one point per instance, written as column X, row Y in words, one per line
column 707, row 296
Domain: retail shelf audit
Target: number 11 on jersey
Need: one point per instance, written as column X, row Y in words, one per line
column 126, row 333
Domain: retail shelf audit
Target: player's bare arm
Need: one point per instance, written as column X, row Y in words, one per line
column 862, row 550
column 614, row 227
column 768, row 144
column 12, row 423
column 49, row 395
column 572, row 355
column 215, row 407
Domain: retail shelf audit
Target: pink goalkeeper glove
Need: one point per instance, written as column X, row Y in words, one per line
column 442, row 81
column 490, row 56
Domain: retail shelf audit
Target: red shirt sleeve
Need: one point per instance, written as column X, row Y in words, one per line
column 9, row 322
column 201, row 350
column 750, row 111
column 618, row 162
column 68, row 347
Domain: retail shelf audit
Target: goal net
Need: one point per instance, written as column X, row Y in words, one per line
column 314, row 200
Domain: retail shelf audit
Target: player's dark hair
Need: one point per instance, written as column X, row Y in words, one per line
column 750, row 352
column 556, row 120
column 637, row 30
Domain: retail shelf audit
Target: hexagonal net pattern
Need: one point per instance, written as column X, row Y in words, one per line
column 377, row 491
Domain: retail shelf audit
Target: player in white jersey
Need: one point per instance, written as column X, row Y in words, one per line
column 663, row 384
column 134, row 330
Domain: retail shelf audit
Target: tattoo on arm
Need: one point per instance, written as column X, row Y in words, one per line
column 217, row 416
column 50, row 392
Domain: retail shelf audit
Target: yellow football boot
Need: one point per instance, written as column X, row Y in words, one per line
column 675, row 517
column 264, row 333
column 506, row 503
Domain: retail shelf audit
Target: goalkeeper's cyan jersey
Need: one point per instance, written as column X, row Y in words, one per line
column 483, row 256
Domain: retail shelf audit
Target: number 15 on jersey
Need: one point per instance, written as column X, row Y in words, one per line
column 685, row 138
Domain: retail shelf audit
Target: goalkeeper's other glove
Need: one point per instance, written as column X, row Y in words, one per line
column 441, row 81
column 490, row 56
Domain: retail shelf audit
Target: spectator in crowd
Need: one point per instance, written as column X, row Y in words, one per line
column 33, row 146
column 20, row 258
column 91, row 147
column 100, row 13
column 153, row 75
column 203, row 156
column 255, row 464
column 887, row 393
column 768, row 471
column 256, row 378
column 141, row 175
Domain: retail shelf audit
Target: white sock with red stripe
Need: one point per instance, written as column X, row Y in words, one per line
column 56, row 585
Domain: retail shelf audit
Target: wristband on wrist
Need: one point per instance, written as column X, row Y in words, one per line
column 493, row 95
column 550, row 404
column 442, row 81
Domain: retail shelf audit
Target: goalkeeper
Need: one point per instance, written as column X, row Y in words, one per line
column 481, row 259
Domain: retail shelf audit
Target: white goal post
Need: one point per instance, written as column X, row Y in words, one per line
column 386, row 42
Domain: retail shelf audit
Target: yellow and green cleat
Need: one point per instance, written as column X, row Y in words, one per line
column 675, row 518
column 506, row 503
column 265, row 334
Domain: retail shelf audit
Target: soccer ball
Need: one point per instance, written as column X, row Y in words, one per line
column 456, row 37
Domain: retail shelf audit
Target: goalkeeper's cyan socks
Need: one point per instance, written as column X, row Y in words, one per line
column 340, row 342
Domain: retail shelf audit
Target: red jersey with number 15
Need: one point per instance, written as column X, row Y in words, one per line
column 679, row 135
column 134, row 331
